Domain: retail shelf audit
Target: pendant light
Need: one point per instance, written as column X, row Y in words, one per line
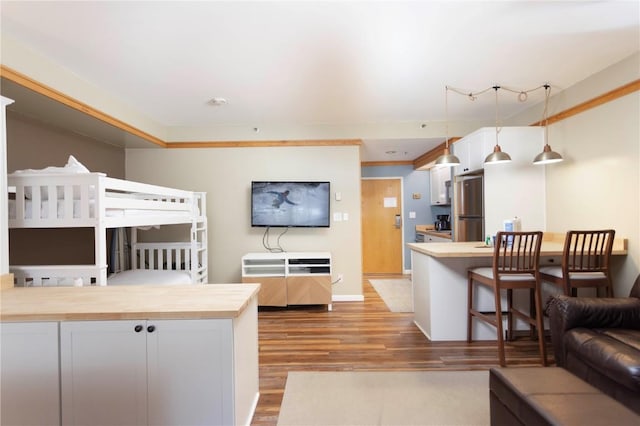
column 547, row 156
column 447, row 159
column 497, row 156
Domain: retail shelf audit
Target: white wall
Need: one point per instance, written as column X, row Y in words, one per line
column 598, row 183
column 225, row 174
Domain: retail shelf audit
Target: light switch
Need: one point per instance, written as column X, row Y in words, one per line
column 338, row 196
column 337, row 217
column 412, row 215
column 345, row 216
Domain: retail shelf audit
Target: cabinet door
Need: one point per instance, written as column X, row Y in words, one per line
column 309, row 290
column 436, row 185
column 29, row 374
column 461, row 150
column 103, row 373
column 273, row 290
column 477, row 152
column 190, row 372
column 439, row 177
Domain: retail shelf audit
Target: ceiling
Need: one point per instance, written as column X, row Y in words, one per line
column 372, row 70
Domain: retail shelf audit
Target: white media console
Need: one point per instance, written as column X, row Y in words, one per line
column 295, row 278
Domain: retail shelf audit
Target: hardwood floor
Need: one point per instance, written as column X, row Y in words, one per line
column 360, row 336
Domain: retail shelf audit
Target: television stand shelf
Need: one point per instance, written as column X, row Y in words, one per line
column 290, row 278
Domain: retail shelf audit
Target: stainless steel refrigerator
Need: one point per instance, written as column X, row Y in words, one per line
column 469, row 208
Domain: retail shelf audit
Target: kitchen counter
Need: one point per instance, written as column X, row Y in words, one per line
column 206, row 301
column 429, row 230
column 439, row 278
column 173, row 355
column 551, row 246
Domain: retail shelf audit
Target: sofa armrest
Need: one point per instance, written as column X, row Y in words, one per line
column 566, row 313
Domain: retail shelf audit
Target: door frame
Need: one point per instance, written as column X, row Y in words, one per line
column 402, row 247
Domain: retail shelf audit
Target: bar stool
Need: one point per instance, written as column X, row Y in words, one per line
column 585, row 262
column 515, row 266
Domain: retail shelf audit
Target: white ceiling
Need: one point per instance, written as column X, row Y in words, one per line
column 325, row 69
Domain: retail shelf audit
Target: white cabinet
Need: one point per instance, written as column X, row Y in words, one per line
column 440, row 181
column 433, row 239
column 472, row 149
column 302, row 278
column 29, row 374
column 461, row 150
column 147, row 372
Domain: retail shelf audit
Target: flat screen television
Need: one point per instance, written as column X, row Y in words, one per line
column 290, row 204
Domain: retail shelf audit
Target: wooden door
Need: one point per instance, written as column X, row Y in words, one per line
column 382, row 226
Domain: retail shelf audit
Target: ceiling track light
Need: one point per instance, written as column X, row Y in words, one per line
column 547, row 156
column 447, row 159
column 497, row 156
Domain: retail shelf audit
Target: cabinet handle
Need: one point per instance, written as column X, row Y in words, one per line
column 138, row 328
column 151, row 328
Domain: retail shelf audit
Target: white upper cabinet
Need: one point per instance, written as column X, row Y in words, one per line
column 472, row 149
column 440, row 189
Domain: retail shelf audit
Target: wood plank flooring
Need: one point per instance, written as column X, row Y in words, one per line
column 360, row 336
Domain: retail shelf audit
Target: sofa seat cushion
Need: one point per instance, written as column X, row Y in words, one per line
column 612, row 352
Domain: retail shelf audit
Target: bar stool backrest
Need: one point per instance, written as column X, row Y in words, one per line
column 587, row 251
column 517, row 252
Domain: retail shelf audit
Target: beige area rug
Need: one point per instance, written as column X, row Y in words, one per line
column 396, row 293
column 386, row 398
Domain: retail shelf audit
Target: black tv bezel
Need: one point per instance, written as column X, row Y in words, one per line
column 328, row 225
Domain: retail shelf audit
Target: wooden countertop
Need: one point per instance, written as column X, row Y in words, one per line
column 551, row 246
column 198, row 301
column 429, row 230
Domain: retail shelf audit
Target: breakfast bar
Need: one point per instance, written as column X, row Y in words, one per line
column 183, row 354
column 439, row 277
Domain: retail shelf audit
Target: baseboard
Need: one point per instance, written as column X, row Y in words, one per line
column 422, row 330
column 347, row 298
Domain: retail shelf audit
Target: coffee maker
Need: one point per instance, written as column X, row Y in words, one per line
column 443, row 222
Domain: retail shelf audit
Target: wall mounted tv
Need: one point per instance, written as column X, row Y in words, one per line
column 290, row 204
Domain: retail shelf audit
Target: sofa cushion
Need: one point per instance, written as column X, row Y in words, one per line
column 614, row 353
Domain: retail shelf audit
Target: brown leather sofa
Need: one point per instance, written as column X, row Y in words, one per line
column 598, row 340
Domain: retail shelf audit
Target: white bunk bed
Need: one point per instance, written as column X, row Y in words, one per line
column 38, row 199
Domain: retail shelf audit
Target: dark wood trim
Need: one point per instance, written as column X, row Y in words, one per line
column 432, row 155
column 592, row 103
column 386, row 163
column 51, row 93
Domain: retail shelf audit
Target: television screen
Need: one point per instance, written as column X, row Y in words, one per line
column 290, row 204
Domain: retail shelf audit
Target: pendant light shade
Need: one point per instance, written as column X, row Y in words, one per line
column 447, row 159
column 497, row 156
column 547, row 156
